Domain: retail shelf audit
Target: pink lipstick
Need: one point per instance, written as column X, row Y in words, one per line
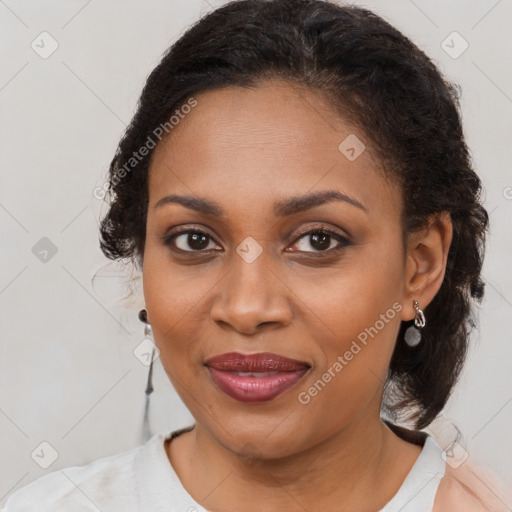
column 255, row 377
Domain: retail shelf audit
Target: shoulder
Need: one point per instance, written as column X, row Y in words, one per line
column 470, row 488
column 80, row 488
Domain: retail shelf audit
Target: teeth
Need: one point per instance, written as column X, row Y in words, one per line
column 256, row 374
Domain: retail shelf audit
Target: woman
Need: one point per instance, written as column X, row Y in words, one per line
column 296, row 188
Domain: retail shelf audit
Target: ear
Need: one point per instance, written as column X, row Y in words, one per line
column 427, row 254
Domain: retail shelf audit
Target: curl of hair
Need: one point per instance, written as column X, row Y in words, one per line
column 377, row 79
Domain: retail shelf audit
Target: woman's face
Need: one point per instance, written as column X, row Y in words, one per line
column 252, row 282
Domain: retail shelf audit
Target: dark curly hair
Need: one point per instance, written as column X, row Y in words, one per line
column 374, row 77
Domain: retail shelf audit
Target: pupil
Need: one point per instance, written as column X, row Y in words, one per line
column 197, row 241
column 323, row 238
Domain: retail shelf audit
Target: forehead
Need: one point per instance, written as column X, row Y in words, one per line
column 241, row 145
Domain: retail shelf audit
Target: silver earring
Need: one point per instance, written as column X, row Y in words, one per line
column 148, row 331
column 412, row 334
column 143, row 317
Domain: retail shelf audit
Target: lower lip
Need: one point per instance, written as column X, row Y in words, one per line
column 255, row 389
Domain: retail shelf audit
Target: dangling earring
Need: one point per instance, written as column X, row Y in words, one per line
column 412, row 334
column 148, row 331
column 143, row 317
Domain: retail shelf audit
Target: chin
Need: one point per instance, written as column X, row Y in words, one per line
column 259, row 439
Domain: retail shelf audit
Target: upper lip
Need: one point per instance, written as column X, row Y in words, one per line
column 263, row 362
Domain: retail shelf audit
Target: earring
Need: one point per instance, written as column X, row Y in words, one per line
column 412, row 334
column 143, row 317
column 148, row 331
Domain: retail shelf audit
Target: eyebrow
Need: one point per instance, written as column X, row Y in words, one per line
column 286, row 207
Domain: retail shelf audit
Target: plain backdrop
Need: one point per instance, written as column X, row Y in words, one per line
column 69, row 377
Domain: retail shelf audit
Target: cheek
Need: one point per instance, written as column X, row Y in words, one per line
column 352, row 371
column 173, row 293
column 360, row 306
column 174, row 302
column 352, row 297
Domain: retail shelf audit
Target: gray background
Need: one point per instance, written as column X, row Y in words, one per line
column 68, row 373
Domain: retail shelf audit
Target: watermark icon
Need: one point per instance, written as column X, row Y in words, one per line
column 249, row 249
column 143, row 351
column 44, row 250
column 44, row 455
column 454, row 45
column 351, row 147
column 252, row 454
column 144, row 150
column 507, row 193
column 44, row 45
column 450, row 439
column 305, row 397
column 455, row 455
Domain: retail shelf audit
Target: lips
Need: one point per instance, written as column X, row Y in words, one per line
column 255, row 377
column 263, row 362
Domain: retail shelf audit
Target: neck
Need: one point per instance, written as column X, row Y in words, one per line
column 336, row 474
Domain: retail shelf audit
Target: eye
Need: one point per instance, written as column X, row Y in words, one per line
column 189, row 240
column 321, row 240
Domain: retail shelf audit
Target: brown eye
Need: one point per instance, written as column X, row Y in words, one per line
column 321, row 240
column 190, row 240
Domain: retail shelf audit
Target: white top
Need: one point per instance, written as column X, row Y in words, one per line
column 143, row 480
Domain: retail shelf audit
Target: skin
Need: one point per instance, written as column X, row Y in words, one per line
column 246, row 149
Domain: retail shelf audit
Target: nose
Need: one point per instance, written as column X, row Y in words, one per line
column 252, row 297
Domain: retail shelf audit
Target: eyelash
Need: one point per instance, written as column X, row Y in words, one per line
column 344, row 241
